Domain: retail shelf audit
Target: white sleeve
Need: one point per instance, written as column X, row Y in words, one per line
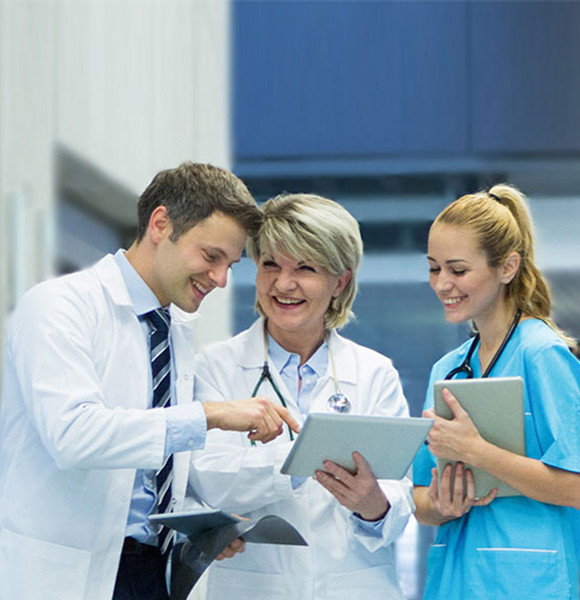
column 239, row 479
column 230, row 473
column 391, row 402
column 51, row 358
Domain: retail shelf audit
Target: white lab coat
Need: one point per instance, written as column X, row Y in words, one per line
column 342, row 561
column 73, row 430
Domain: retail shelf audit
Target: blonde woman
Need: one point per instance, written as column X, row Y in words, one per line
column 307, row 251
column 481, row 263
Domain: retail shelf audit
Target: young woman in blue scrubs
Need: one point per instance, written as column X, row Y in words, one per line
column 481, row 263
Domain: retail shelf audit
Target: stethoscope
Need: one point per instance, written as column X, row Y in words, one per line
column 465, row 366
column 337, row 402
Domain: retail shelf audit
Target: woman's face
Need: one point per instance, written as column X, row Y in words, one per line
column 295, row 295
column 460, row 275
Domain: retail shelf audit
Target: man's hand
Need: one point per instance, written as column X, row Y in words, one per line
column 260, row 416
column 238, row 545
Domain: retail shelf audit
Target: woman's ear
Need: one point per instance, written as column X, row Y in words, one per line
column 510, row 267
column 342, row 283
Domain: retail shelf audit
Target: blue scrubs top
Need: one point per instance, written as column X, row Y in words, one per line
column 515, row 548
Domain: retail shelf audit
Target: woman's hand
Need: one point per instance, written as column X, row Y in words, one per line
column 455, row 496
column 456, row 438
column 360, row 492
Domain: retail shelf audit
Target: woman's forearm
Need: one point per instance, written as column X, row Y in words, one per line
column 530, row 477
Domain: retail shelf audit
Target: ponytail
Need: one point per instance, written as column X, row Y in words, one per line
column 502, row 221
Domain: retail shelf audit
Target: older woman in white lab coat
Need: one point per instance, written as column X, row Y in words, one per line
column 307, row 252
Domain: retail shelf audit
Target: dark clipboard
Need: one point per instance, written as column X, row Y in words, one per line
column 208, row 532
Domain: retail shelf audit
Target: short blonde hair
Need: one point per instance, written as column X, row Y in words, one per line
column 313, row 229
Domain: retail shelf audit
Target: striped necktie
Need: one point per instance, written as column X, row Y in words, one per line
column 159, row 321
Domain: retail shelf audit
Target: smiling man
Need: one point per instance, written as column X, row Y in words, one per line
column 97, row 418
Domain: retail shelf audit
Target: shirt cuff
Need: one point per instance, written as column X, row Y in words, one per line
column 376, row 534
column 297, row 480
column 373, row 528
column 186, row 427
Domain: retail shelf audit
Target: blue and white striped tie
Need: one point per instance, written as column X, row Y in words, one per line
column 159, row 321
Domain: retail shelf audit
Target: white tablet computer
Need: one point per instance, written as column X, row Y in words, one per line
column 389, row 444
column 496, row 407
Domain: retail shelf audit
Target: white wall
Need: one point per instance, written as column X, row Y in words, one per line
column 143, row 85
column 557, row 228
column 132, row 86
column 26, row 139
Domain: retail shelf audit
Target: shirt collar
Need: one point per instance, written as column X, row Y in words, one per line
column 142, row 298
column 281, row 358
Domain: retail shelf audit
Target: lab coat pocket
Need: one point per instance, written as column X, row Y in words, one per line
column 375, row 582
column 519, row 574
column 41, row 570
column 239, row 584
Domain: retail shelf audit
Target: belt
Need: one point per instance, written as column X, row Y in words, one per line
column 132, row 546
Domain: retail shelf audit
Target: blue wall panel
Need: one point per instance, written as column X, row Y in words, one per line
column 526, row 76
column 349, row 78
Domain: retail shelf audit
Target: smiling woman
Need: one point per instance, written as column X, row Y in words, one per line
column 461, row 276
column 308, row 250
column 481, row 266
column 294, row 296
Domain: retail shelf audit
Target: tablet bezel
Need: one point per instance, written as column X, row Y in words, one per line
column 496, row 407
column 389, row 444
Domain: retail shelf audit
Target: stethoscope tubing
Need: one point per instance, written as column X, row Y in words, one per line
column 465, row 366
column 265, row 375
column 337, row 402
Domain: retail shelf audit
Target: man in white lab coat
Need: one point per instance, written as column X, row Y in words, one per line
column 79, row 441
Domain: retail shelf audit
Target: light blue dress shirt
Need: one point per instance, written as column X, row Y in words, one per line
column 288, row 366
column 185, row 428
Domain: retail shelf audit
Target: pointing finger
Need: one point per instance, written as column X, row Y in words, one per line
column 287, row 418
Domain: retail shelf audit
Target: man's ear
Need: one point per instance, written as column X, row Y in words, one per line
column 160, row 226
column 510, row 267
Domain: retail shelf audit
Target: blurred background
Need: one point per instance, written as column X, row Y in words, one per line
column 393, row 109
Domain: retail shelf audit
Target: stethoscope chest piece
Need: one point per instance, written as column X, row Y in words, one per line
column 338, row 403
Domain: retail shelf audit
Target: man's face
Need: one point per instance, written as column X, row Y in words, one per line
column 185, row 271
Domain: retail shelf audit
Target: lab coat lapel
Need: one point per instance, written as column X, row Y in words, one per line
column 344, row 359
column 112, row 280
column 345, row 363
column 251, row 358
